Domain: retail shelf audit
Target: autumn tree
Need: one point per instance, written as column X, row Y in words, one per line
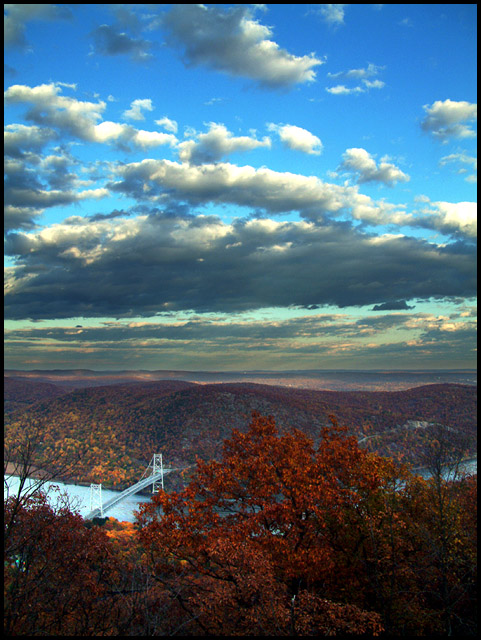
column 281, row 537
column 25, row 477
column 447, row 543
column 64, row 575
column 57, row 572
column 442, row 532
column 268, row 534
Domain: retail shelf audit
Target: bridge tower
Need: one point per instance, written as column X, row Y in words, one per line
column 157, row 467
column 96, row 492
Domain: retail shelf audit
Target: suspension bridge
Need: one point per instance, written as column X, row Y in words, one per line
column 156, row 479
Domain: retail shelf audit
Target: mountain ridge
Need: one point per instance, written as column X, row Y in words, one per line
column 313, row 379
column 117, row 428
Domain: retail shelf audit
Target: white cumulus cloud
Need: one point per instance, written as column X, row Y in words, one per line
column 234, row 42
column 297, row 138
column 449, row 119
column 452, row 218
column 136, row 107
column 360, row 162
column 217, row 143
column 168, row 124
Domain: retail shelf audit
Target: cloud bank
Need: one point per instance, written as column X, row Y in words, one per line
column 158, row 263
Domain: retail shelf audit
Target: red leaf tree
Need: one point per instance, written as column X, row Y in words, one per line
column 282, row 537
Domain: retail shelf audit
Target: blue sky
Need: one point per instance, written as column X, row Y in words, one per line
column 227, row 187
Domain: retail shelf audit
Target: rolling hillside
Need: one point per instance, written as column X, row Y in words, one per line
column 20, row 393
column 114, row 430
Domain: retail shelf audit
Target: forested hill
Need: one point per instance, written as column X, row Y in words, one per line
column 20, row 393
column 116, row 429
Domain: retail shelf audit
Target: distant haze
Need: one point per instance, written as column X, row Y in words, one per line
column 333, row 380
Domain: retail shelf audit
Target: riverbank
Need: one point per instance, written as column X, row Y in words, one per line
column 469, row 466
column 36, row 473
column 80, row 499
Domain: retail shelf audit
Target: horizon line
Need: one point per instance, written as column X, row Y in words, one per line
column 243, row 371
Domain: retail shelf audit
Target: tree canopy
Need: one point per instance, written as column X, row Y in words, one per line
column 281, row 537
column 284, row 535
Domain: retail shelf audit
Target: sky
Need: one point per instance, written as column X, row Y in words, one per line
column 240, row 187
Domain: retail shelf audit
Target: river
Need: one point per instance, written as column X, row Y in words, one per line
column 79, row 497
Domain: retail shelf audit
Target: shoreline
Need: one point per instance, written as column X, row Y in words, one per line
column 37, row 473
column 12, row 469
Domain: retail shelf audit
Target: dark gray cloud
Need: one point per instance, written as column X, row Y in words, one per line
column 116, row 213
column 33, row 183
column 109, row 41
column 151, row 264
column 395, row 305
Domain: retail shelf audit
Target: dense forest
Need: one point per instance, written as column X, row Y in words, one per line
column 109, row 434
column 21, row 393
column 281, row 535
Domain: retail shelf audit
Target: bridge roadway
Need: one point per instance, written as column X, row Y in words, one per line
column 128, row 492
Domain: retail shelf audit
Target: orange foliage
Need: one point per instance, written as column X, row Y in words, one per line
column 281, row 537
column 59, row 573
column 111, row 433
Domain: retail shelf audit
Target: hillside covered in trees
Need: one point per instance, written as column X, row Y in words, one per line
column 20, row 393
column 281, row 536
column 110, row 433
